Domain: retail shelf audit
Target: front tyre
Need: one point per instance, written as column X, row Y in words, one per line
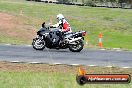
column 77, row 47
column 38, row 44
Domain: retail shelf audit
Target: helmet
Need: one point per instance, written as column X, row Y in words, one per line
column 60, row 16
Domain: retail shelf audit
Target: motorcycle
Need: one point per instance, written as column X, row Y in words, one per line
column 50, row 37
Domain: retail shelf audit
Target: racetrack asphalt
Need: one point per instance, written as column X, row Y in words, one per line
column 96, row 57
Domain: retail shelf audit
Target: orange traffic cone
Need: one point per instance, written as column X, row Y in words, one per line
column 86, row 41
column 21, row 12
column 51, row 22
column 100, row 40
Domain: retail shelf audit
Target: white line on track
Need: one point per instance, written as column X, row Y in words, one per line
column 92, row 65
column 125, row 67
column 109, row 66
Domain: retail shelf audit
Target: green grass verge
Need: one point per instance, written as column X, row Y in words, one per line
column 115, row 24
column 24, row 75
column 9, row 39
column 47, row 80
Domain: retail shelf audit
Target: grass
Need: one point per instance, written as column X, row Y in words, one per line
column 13, row 75
column 10, row 39
column 115, row 24
column 47, row 80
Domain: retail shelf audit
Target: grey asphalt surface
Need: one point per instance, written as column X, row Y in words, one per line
column 85, row 57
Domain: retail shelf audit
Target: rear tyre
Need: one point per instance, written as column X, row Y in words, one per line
column 76, row 47
column 38, row 44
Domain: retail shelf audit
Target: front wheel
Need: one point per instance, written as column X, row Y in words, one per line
column 77, row 47
column 38, row 44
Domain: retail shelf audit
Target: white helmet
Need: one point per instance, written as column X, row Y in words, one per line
column 60, row 16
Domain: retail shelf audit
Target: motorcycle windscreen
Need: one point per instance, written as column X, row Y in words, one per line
column 43, row 31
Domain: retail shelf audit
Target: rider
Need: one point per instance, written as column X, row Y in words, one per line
column 63, row 25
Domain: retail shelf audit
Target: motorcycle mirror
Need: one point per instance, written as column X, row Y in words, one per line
column 43, row 24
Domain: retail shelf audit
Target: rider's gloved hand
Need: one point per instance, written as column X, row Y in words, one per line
column 60, row 30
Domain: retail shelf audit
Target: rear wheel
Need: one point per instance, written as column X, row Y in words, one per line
column 77, row 47
column 38, row 44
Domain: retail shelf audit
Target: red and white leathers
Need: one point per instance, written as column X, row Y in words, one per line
column 63, row 25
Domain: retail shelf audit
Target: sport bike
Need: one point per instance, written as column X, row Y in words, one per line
column 50, row 37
